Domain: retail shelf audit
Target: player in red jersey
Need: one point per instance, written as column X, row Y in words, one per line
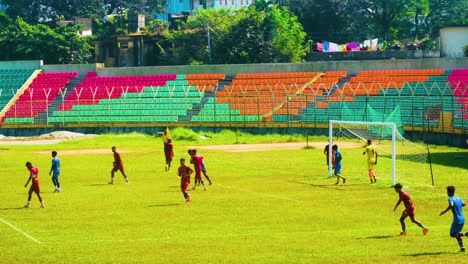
column 184, row 172
column 33, row 174
column 197, row 162
column 117, row 166
column 168, row 153
column 409, row 210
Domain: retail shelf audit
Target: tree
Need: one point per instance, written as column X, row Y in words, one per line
column 29, row 10
column 62, row 45
column 49, row 11
column 381, row 13
column 445, row 13
column 261, row 33
column 324, row 19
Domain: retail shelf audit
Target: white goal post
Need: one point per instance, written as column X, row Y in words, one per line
column 390, row 125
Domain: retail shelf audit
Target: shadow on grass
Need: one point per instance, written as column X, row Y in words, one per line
column 99, row 184
column 164, row 205
column 451, row 159
column 425, row 254
column 341, row 187
column 377, row 237
column 11, row 208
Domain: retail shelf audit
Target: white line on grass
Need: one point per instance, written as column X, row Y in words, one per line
column 21, row 231
column 259, row 193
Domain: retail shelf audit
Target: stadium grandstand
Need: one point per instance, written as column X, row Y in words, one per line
column 430, row 100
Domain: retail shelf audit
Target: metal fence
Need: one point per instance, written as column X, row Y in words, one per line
column 435, row 106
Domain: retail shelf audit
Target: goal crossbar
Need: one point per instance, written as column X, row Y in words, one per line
column 386, row 124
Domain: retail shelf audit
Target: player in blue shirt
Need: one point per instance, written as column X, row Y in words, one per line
column 337, row 164
column 55, row 168
column 456, row 205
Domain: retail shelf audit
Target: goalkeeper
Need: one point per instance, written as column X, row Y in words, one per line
column 372, row 156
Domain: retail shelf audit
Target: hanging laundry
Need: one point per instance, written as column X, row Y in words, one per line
column 319, row 46
column 374, row 43
column 333, row 47
column 326, row 46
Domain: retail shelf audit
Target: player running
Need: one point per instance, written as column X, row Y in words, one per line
column 337, row 164
column 371, row 160
column 117, row 166
column 55, row 168
column 184, row 172
column 409, row 210
column 33, row 176
column 456, row 205
column 168, row 153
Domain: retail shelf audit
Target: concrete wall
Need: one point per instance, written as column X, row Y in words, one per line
column 27, row 64
column 80, row 68
column 452, row 41
column 350, row 66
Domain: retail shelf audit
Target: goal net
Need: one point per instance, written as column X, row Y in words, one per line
column 399, row 160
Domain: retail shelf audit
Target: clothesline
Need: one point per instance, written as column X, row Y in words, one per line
column 326, row 46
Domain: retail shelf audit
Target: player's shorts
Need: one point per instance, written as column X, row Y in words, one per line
column 410, row 211
column 118, row 166
column 455, row 229
column 198, row 175
column 370, row 165
column 184, row 186
column 168, row 157
column 35, row 188
column 337, row 170
column 55, row 174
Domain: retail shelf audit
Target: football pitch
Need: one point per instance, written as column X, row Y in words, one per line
column 266, row 205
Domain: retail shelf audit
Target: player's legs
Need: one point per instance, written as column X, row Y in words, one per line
column 411, row 215
column 207, row 177
column 455, row 231
column 121, row 169
column 112, row 174
column 168, row 163
column 185, row 193
column 370, row 167
column 53, row 182
column 55, row 179
column 402, row 222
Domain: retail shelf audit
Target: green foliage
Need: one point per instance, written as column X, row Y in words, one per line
column 261, row 33
column 465, row 50
column 61, row 45
column 180, row 133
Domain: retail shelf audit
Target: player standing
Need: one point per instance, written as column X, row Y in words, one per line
column 184, row 172
column 371, row 160
column 197, row 161
column 456, row 205
column 33, row 176
column 118, row 166
column 325, row 152
column 55, row 168
column 337, row 164
column 409, row 210
column 168, row 153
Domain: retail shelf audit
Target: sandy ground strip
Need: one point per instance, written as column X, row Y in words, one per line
column 45, row 139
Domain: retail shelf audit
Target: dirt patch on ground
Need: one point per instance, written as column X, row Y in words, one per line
column 50, row 138
column 275, row 146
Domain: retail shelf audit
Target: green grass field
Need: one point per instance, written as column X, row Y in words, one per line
column 272, row 206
